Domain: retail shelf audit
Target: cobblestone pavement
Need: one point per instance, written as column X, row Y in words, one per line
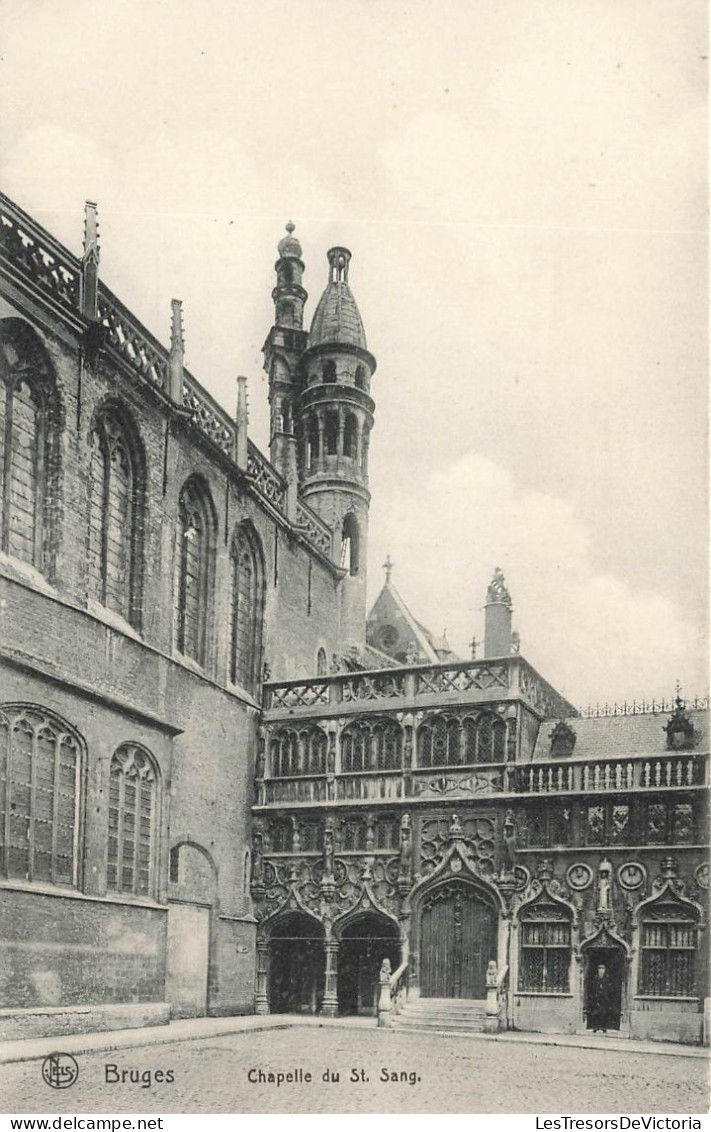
column 450, row 1074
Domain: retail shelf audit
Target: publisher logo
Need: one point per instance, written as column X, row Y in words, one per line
column 59, row 1070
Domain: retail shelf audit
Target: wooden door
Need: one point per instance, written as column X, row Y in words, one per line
column 457, row 940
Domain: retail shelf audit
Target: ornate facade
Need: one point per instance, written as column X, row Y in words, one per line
column 222, row 787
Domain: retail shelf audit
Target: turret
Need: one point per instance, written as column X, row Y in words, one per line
column 284, row 346
column 497, row 618
column 334, row 419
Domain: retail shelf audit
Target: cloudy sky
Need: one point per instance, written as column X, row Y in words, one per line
column 522, row 185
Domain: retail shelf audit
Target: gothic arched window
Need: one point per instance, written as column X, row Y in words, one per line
column 321, row 663
column 195, row 537
column 245, row 613
column 350, row 544
column 40, row 786
column 296, row 753
column 545, row 947
column 133, row 822
column 484, row 739
column 27, row 443
column 313, row 440
column 114, row 495
column 329, row 372
column 371, row 745
column 439, row 742
column 668, row 949
column 331, row 434
column 350, row 436
column 360, row 379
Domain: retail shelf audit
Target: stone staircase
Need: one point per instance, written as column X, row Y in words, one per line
column 459, row 1014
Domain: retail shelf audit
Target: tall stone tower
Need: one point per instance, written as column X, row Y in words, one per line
column 333, row 422
column 284, row 346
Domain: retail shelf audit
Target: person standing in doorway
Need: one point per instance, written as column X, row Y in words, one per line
column 602, row 1007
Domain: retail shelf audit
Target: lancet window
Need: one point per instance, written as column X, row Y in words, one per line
column 133, row 822
column 40, row 787
column 545, row 948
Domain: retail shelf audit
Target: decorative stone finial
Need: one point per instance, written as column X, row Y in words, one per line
column 388, row 568
column 177, row 351
column 90, row 263
column 289, row 246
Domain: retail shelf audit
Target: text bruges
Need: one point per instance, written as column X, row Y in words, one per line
column 114, row 1075
column 331, row 1077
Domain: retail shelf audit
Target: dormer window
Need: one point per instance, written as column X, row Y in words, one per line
column 680, row 730
column 562, row 739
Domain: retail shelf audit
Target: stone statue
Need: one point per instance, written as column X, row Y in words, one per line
column 385, row 970
column 515, row 643
column 509, row 843
column 604, row 875
column 497, row 588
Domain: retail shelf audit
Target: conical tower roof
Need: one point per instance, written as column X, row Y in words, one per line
column 337, row 318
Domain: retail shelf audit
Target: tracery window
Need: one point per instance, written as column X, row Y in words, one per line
column 545, row 948
column 449, row 741
column 26, row 443
column 245, row 612
column 668, row 951
column 40, row 785
column 133, row 822
column 194, row 555
column 114, row 492
column 294, row 753
column 371, row 745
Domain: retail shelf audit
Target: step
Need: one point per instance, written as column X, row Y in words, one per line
column 462, row 1015
column 443, row 1025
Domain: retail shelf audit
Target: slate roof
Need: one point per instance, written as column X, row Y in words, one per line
column 619, row 736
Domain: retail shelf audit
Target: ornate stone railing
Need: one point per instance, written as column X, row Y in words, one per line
column 371, row 786
column 462, row 678
column 35, row 254
column 131, row 341
column 419, row 686
column 285, row 790
column 449, row 783
column 431, row 784
column 316, row 531
column 364, row 686
column 265, row 478
column 209, row 417
column 613, row 774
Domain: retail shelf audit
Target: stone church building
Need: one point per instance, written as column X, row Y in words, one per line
column 225, row 785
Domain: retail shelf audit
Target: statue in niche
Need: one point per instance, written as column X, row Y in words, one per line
column 411, row 653
column 328, row 848
column 509, row 862
column 604, row 884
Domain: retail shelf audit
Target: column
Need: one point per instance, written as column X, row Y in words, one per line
column 329, row 1007
column 321, row 436
column 261, row 996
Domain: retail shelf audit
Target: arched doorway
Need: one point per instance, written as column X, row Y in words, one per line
column 365, row 942
column 296, row 966
column 604, row 978
column 458, row 938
